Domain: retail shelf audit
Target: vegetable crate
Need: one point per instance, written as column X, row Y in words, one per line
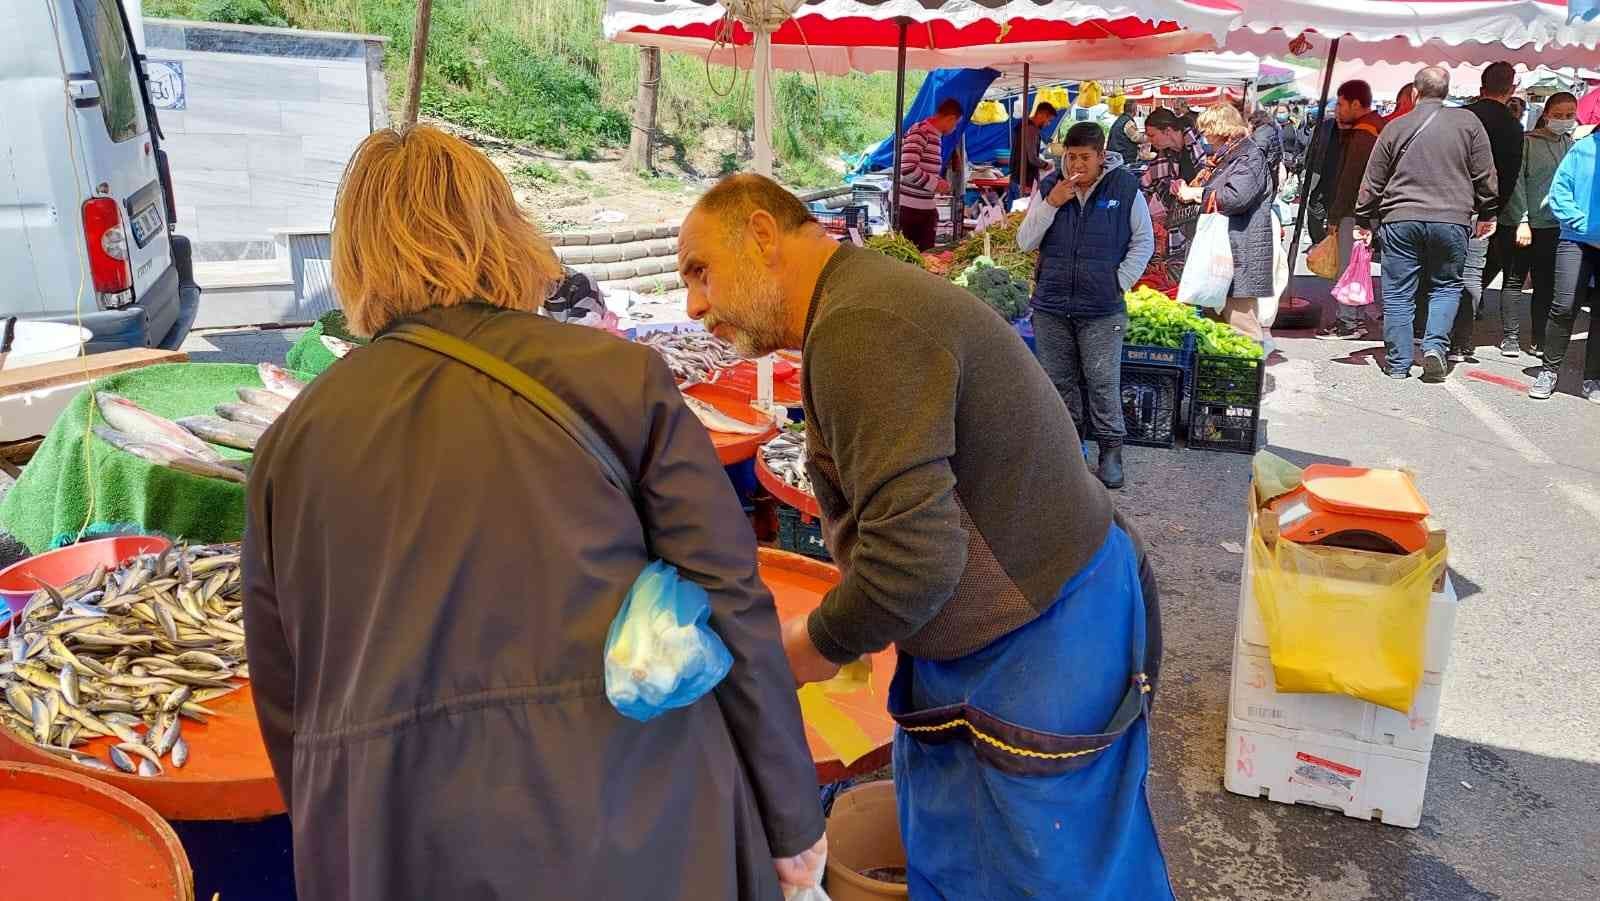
column 839, row 222
column 1151, row 398
column 800, row 533
column 1225, row 408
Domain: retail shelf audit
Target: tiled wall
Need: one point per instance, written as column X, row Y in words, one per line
column 271, row 117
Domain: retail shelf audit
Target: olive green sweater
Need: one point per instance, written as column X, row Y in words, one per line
column 1542, row 153
column 954, row 495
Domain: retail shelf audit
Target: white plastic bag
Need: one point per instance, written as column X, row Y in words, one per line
column 809, row 892
column 1267, row 307
column 1208, row 273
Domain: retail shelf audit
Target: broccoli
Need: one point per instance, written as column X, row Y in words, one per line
column 1006, row 293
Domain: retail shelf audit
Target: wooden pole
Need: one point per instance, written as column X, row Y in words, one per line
column 644, row 111
column 1021, row 162
column 419, row 55
column 1313, row 158
column 899, row 122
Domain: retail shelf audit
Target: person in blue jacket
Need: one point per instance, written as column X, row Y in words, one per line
column 1575, row 202
column 1091, row 226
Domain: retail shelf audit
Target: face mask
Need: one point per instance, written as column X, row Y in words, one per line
column 1562, row 126
column 1282, row 118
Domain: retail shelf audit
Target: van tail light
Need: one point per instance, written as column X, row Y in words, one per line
column 108, row 247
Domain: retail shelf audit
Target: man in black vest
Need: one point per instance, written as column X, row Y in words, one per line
column 1091, row 226
column 1126, row 135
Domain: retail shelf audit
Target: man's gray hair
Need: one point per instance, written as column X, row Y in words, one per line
column 1433, row 83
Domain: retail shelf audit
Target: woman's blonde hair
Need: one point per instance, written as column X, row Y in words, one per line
column 425, row 220
column 1222, row 120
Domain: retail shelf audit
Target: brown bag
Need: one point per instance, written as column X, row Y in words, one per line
column 1323, row 259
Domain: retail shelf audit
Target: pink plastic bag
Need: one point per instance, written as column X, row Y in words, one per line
column 1354, row 288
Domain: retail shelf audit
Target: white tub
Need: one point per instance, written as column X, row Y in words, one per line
column 44, row 342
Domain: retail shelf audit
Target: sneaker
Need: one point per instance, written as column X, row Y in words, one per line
column 1461, row 355
column 1341, row 331
column 1591, row 390
column 1511, row 347
column 1399, row 374
column 1433, row 366
column 1543, row 386
column 1536, row 351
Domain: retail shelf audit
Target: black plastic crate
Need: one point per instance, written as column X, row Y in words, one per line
column 797, row 535
column 1225, row 409
column 1151, row 398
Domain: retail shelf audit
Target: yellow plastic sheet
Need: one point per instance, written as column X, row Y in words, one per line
column 1342, row 621
column 843, row 734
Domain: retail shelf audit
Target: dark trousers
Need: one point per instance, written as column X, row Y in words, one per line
column 1536, row 263
column 1410, row 251
column 1486, row 258
column 1576, row 266
column 919, row 226
column 1079, row 352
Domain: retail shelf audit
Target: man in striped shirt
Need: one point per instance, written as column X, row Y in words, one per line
column 922, row 173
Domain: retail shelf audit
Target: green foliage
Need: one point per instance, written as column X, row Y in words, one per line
column 896, row 245
column 235, row 12
column 1004, row 292
column 1158, row 320
column 539, row 172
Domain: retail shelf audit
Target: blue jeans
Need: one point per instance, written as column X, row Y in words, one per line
column 1410, row 250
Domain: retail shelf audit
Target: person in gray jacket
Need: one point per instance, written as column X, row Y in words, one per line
column 1538, row 230
column 1430, row 185
column 1237, row 184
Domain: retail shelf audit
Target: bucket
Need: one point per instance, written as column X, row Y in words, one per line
column 62, row 565
column 863, row 837
column 75, row 837
column 44, row 342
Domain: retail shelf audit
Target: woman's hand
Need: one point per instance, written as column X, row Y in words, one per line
column 1524, row 235
column 804, row 869
column 1191, row 194
column 805, row 660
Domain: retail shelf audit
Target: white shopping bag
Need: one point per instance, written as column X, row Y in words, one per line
column 809, row 892
column 1208, row 273
column 1267, row 307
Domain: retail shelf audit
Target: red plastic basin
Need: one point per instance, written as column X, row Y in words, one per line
column 63, row 565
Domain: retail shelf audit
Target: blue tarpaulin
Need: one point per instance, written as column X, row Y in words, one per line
column 984, row 142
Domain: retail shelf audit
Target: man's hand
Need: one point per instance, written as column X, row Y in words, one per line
column 806, row 662
column 1485, row 229
column 1524, row 235
column 805, row 868
column 1061, row 193
column 1364, row 235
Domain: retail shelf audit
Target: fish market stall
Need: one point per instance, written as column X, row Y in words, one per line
column 781, row 469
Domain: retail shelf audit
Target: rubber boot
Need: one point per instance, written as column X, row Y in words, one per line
column 1110, row 472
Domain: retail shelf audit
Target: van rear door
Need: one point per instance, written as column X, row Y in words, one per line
column 114, row 138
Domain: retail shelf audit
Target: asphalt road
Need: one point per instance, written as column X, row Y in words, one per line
column 1513, row 803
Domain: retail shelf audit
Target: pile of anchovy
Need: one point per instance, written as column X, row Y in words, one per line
column 785, row 455
column 128, row 653
column 692, row 356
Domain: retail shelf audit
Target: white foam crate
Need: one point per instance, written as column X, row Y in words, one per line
column 1253, row 699
column 1362, row 780
column 1441, row 620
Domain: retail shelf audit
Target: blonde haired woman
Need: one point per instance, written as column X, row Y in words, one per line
column 1237, row 182
column 431, row 565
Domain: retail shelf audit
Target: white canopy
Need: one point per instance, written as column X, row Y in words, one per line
column 1443, row 32
column 1200, row 68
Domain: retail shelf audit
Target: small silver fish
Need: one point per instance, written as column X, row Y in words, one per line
column 148, row 769
column 180, row 753
column 69, row 684
column 122, row 761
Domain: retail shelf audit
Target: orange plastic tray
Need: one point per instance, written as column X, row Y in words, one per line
column 732, row 448
column 785, row 492
column 68, row 836
column 228, row 776
column 798, row 584
column 742, row 378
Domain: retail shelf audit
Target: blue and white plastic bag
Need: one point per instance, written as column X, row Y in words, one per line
column 661, row 653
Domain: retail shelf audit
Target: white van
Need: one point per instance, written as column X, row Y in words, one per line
column 86, row 204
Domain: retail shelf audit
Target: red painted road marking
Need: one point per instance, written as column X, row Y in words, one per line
column 1504, row 381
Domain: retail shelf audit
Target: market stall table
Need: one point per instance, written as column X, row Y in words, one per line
column 797, row 586
column 732, row 448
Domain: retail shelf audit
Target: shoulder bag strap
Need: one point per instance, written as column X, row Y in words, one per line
column 526, row 386
column 1406, row 144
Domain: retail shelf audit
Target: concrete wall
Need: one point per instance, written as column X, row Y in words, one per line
column 259, row 125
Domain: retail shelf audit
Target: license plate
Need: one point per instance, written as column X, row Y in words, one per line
column 146, row 223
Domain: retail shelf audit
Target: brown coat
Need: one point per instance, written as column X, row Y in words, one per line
column 431, row 567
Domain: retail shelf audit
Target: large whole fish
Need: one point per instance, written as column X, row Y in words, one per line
column 169, row 455
column 717, row 421
column 337, row 346
column 240, row 435
column 129, row 418
column 126, row 655
column 279, row 381
column 261, row 397
column 248, row 413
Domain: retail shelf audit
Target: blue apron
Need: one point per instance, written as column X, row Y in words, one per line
column 1020, row 768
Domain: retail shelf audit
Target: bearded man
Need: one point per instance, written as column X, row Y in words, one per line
column 969, row 533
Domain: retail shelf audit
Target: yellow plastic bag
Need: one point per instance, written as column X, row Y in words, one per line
column 988, row 113
column 1089, row 94
column 1117, row 102
column 1344, row 622
column 1323, row 259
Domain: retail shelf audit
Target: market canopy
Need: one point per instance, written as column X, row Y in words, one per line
column 838, row 36
column 1432, row 32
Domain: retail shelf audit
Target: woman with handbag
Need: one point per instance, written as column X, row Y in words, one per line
column 434, row 551
column 1236, row 183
